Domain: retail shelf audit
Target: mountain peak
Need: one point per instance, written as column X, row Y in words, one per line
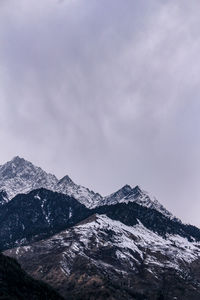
column 137, row 190
column 66, row 180
column 126, row 187
column 117, row 196
column 21, row 176
column 18, row 162
column 17, row 159
column 16, row 167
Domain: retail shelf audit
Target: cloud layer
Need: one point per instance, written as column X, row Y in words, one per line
column 107, row 92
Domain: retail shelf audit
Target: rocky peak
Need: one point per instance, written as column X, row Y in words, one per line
column 66, row 180
column 17, row 167
column 117, row 196
column 17, row 159
column 137, row 195
column 126, row 188
column 137, row 190
column 21, row 176
column 9, row 169
column 124, row 191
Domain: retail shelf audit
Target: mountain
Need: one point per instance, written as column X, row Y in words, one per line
column 137, row 195
column 36, row 215
column 101, row 258
column 83, row 195
column 42, row 213
column 18, row 285
column 132, row 213
column 21, row 176
column 122, row 246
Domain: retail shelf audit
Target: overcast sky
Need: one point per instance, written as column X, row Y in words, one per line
column 106, row 91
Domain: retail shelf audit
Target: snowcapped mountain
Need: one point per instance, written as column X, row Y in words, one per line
column 42, row 213
column 123, row 246
column 21, row 176
column 137, row 195
column 82, row 194
column 102, row 256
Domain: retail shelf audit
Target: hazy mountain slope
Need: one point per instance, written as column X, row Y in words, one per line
column 17, row 285
column 107, row 259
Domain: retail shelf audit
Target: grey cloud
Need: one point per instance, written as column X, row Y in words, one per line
column 105, row 91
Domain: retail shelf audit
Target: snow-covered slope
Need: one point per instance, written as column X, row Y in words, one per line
column 106, row 248
column 135, row 239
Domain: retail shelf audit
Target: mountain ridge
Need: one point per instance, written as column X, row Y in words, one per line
column 21, row 176
column 125, row 246
column 42, row 213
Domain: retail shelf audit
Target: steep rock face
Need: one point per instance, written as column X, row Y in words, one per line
column 105, row 258
column 36, row 215
column 16, row 284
